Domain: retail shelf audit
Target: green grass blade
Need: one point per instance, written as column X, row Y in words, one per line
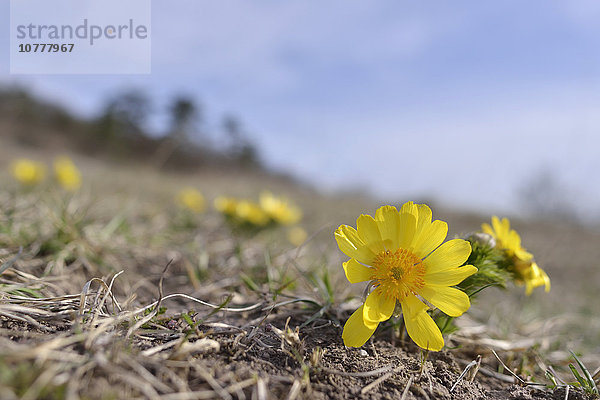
column 588, row 377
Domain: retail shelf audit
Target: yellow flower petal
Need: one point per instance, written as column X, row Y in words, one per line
column 507, row 240
column 191, row 198
column 522, row 254
column 505, row 225
column 420, row 326
column 498, row 227
column 249, row 212
column 449, row 255
column 512, row 242
column 279, row 209
column 225, row 205
column 546, row 280
column 429, row 238
column 486, row 228
column 368, row 231
column 449, row 300
column 407, row 228
column 352, row 245
column 425, row 216
column 411, row 208
column 378, row 307
column 388, row 222
column 356, row 272
column 67, row 173
column 534, row 277
column 450, row 277
column 28, row 172
column 356, row 332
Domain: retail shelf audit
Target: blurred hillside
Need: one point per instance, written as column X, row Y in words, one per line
column 120, row 132
column 123, row 130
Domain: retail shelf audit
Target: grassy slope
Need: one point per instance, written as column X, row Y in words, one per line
column 125, row 219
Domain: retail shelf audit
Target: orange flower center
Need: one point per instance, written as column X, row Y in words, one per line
column 398, row 273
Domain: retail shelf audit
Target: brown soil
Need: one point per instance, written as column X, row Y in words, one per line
column 256, row 361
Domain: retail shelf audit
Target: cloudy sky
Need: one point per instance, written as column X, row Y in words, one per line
column 463, row 101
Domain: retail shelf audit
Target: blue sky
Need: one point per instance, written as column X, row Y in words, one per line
column 462, row 101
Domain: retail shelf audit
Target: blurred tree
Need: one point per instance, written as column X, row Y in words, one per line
column 16, row 104
column 32, row 116
column 123, row 120
column 544, row 196
column 126, row 113
column 185, row 117
column 121, row 130
column 241, row 150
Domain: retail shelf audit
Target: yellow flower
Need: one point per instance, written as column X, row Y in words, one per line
column 296, row 235
column 225, row 205
column 250, row 212
column 532, row 275
column 67, row 174
column 508, row 240
column 28, row 172
column 279, row 209
column 191, row 199
column 402, row 255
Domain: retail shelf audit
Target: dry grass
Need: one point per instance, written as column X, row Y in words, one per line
column 114, row 292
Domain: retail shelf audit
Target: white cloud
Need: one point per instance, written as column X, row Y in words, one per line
column 475, row 155
column 269, row 48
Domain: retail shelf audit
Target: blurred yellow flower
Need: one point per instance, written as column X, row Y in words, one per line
column 250, row 212
column 296, row 235
column 225, row 205
column 67, row 174
column 28, row 172
column 532, row 276
column 508, row 240
column 402, row 255
column 279, row 209
column 191, row 199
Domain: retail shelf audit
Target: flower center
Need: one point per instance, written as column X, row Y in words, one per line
column 398, row 273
